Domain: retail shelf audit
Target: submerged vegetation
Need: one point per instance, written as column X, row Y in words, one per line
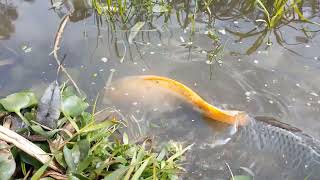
column 266, row 16
column 75, row 144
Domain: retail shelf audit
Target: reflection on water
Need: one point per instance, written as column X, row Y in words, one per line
column 278, row 77
column 8, row 14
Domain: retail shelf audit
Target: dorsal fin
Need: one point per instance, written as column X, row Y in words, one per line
column 274, row 122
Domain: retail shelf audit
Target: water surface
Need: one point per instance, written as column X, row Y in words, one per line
column 274, row 79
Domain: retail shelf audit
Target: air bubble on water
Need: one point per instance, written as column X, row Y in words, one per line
column 82, row 66
column 319, row 102
column 159, row 44
column 310, row 98
column 315, row 58
column 192, row 120
column 256, row 61
column 236, row 22
column 155, row 109
column 185, row 31
column 143, row 69
column 265, row 85
column 148, row 43
column 293, row 99
column 270, row 101
column 239, row 59
column 93, row 83
column 222, row 31
column 307, row 46
column 204, row 52
column 209, row 62
column 182, row 39
column 248, row 93
column 298, row 85
column 190, row 43
column 101, row 70
column 151, row 52
column 50, row 64
column 308, row 104
column 306, row 166
column 135, row 63
column 314, row 94
column 240, row 42
column 104, row 59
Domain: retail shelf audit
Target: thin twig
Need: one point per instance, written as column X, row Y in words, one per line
column 232, row 176
column 27, row 146
column 56, row 47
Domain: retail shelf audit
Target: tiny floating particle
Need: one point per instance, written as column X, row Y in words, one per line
column 182, row 39
column 104, row 59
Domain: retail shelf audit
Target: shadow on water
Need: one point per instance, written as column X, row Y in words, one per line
column 215, row 47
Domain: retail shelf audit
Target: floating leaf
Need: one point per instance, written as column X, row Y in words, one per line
column 7, row 163
column 17, row 101
column 134, row 31
column 68, row 91
column 117, row 174
column 48, row 111
column 73, row 106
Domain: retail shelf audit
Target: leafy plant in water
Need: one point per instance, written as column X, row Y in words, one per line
column 93, row 151
column 17, row 101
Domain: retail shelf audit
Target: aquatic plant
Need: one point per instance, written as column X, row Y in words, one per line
column 68, row 142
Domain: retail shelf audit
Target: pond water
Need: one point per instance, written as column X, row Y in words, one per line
column 277, row 78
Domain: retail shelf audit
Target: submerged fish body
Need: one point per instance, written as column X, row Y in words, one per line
column 274, row 150
column 297, row 154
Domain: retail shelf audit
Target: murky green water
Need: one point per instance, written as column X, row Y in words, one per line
column 278, row 80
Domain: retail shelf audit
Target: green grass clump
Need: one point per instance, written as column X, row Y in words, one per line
column 81, row 147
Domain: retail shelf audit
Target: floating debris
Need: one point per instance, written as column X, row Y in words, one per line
column 104, row 59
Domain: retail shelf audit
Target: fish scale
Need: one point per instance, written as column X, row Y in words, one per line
column 295, row 150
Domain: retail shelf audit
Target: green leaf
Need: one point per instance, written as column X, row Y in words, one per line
column 17, row 101
column 84, row 147
column 2, row 109
column 40, row 171
column 134, row 31
column 117, row 174
column 140, row 170
column 125, row 139
column 71, row 156
column 48, row 134
column 93, row 126
column 241, row 177
column 68, row 91
column 59, row 158
column 73, row 106
column 7, row 163
column 29, row 159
